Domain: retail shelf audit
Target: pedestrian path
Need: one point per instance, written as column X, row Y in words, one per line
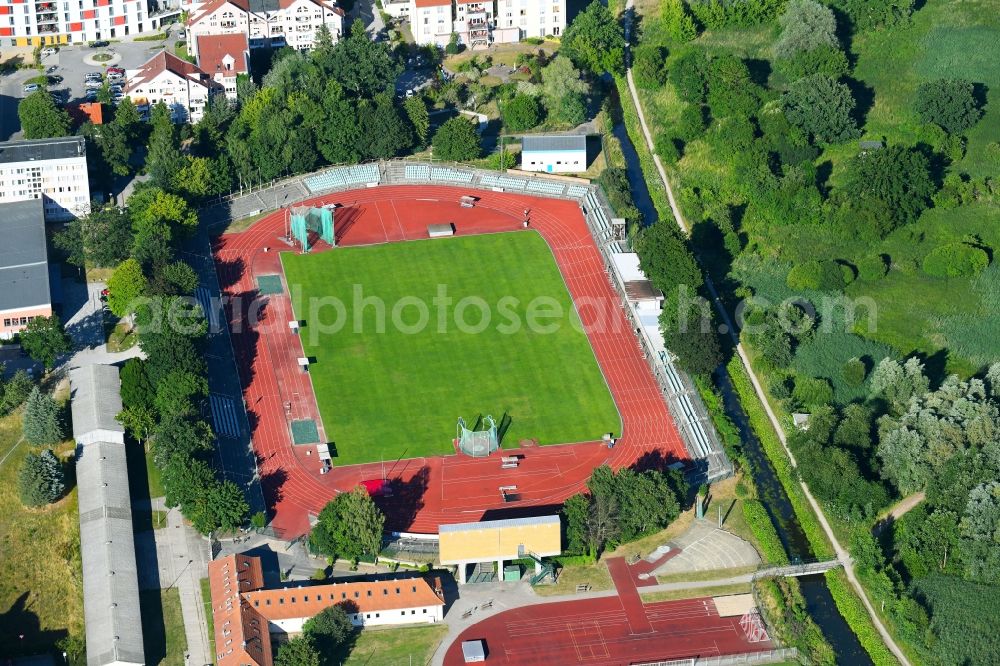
column 628, row 595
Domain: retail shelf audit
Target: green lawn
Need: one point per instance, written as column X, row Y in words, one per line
column 397, row 391
column 41, row 595
column 162, row 627
column 206, row 599
column 402, row 646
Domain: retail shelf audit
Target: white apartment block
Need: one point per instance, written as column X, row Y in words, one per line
column 53, row 170
column 532, row 18
column 273, row 23
column 45, row 22
column 183, row 87
column 480, row 23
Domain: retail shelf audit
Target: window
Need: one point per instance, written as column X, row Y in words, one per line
column 369, row 593
column 425, row 611
column 281, row 600
column 357, row 594
column 385, row 591
column 256, row 603
column 267, row 602
column 413, row 612
column 343, row 595
column 305, row 598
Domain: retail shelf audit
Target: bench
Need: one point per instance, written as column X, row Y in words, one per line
column 583, row 587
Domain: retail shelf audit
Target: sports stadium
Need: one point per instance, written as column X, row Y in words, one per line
column 457, row 347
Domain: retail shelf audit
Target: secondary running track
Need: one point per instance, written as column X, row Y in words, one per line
column 428, row 492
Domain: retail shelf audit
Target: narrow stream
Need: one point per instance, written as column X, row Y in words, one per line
column 818, row 599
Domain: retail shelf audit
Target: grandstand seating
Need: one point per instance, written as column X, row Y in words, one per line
column 417, row 172
column 547, row 188
column 359, row 174
column 511, row 183
column 577, row 191
column 451, row 175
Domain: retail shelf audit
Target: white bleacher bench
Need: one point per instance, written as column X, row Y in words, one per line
column 583, row 587
column 416, row 172
column 576, row 191
column 511, row 183
column 548, row 188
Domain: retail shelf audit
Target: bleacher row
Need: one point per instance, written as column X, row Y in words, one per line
column 359, row 174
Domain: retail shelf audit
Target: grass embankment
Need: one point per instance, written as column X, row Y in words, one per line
column 784, row 609
column 401, row 646
column 163, row 627
column 853, row 611
column 762, row 427
column 41, row 589
column 426, row 363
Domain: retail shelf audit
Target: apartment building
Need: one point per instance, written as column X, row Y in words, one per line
column 224, row 58
column 46, row 22
column 53, row 170
column 272, row 23
column 24, row 266
column 480, row 23
column 183, row 87
column 532, row 18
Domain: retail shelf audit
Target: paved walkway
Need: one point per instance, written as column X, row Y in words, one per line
column 188, row 555
column 842, row 554
column 631, row 601
column 705, row 547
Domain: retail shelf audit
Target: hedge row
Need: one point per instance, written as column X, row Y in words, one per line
column 854, row 612
column 761, row 425
column 763, row 529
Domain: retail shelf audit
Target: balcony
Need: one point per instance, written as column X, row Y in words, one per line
column 48, row 17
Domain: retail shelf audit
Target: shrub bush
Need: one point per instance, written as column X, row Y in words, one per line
column 691, row 123
column 666, row 148
column 648, row 66
column 817, row 276
column 955, row 260
column 873, row 267
column 812, row 392
column 522, row 113
column 854, row 372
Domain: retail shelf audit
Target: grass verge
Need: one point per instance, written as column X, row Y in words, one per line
column 695, row 592
column 162, row 627
column 206, row 600
column 854, row 613
column 124, row 336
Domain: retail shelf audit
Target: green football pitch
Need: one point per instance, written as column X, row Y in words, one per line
column 391, row 380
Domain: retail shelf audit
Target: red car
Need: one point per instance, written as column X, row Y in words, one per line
column 116, row 70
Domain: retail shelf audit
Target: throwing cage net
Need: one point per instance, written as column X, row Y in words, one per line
column 478, row 443
column 318, row 220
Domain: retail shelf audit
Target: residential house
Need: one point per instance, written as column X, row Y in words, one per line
column 183, row 87
column 224, row 58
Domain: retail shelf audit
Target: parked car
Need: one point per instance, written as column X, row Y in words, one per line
column 115, row 78
column 116, row 90
column 47, row 51
column 91, row 95
column 31, row 87
column 93, row 85
column 98, row 44
column 115, row 69
column 93, row 76
column 55, row 79
column 51, row 69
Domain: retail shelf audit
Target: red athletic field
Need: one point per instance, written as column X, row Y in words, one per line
column 430, row 491
column 607, row 631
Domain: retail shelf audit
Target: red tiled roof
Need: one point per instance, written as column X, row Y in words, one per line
column 241, row 608
column 241, row 634
column 86, row 111
column 212, row 5
column 433, row 3
column 167, row 62
column 213, row 49
column 360, row 597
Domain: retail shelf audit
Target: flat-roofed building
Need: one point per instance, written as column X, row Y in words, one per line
column 245, row 614
column 498, row 541
column 53, row 170
column 554, row 153
column 24, row 266
column 107, row 550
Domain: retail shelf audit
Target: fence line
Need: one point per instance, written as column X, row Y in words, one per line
column 763, row 657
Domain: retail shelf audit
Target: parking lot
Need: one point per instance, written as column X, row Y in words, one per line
column 71, row 63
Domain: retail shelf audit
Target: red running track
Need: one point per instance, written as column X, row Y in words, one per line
column 597, row 632
column 429, row 492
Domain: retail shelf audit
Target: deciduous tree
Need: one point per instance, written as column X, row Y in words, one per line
column 125, row 286
column 44, row 339
column 595, row 40
column 349, row 526
column 821, row 107
column 950, row 103
column 41, row 118
column 457, row 140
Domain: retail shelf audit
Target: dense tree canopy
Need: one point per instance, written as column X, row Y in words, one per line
column 595, row 40
column 821, row 107
column 44, row 339
column 887, row 188
column 42, row 419
column 349, row 527
column 41, row 118
column 457, row 140
column 950, row 103
column 522, row 113
column 563, row 91
column 805, row 26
